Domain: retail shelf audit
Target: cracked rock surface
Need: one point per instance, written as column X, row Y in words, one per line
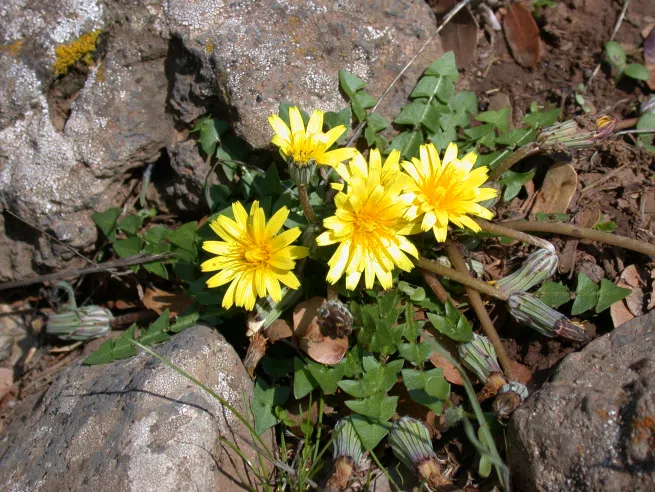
column 136, row 425
column 592, row 427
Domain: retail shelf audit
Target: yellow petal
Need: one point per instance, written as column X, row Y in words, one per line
column 315, row 124
column 279, row 127
column 296, row 122
column 277, row 221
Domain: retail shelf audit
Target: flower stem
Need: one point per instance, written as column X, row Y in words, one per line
column 306, row 206
column 519, row 155
column 462, row 278
column 583, row 233
column 514, row 234
column 433, row 282
column 476, row 301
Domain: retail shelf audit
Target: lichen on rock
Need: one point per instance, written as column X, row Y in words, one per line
column 81, row 49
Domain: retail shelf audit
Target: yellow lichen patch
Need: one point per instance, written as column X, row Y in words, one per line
column 209, row 46
column 13, row 49
column 81, row 49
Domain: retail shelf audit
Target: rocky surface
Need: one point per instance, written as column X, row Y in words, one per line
column 135, row 425
column 69, row 143
column 592, row 428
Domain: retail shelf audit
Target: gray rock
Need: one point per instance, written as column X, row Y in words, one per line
column 136, row 425
column 592, row 428
column 69, row 143
column 247, row 57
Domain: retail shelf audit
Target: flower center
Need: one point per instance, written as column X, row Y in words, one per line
column 257, row 254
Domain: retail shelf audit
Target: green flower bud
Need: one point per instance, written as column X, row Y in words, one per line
column 301, row 173
column 84, row 323
column 538, row 267
column 479, row 357
column 531, row 311
column 577, row 133
column 411, row 444
column 348, row 453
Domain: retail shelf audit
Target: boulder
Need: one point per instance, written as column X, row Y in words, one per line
column 136, row 424
column 247, row 57
column 592, row 427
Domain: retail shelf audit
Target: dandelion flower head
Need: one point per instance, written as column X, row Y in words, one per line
column 446, row 191
column 368, row 225
column 252, row 255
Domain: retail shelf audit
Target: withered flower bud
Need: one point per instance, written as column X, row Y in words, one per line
column 580, row 132
column 335, row 320
column 347, row 451
column 509, row 398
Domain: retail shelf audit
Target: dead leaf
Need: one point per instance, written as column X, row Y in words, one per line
column 460, row 36
column 278, row 330
column 649, row 58
column 585, row 218
column 557, row 190
column 522, row 35
column 320, row 348
column 620, row 314
column 121, row 305
column 160, row 300
column 450, row 372
column 631, row 279
column 440, row 7
column 521, row 372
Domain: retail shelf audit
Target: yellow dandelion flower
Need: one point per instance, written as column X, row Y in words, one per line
column 369, row 224
column 305, row 148
column 252, row 255
column 446, row 191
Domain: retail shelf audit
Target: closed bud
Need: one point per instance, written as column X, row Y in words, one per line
column 347, row 452
column 537, row 267
column 531, row 311
column 509, row 398
column 479, row 357
column 335, row 320
column 411, row 444
column 577, row 133
column 301, row 173
column 84, row 323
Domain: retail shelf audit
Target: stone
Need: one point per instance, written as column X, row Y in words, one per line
column 136, row 424
column 248, row 57
column 592, row 427
column 69, row 142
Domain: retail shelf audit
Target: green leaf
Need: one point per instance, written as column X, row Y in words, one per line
column 416, row 383
column 130, row 224
column 157, row 331
column 637, row 71
column 615, row 55
column 350, row 83
column 211, row 131
column 364, row 99
column 646, row 122
column 376, row 122
column 387, row 302
column 128, row 247
column 554, row 294
column 514, row 181
column 378, row 407
column 416, row 353
column 185, row 236
column 327, row 378
column 513, row 137
column 332, row 119
column 156, row 234
column 434, row 86
column 499, row 119
column 465, row 101
column 103, row 355
column 369, row 432
column 542, row 119
column 586, row 295
column 609, row 293
column 407, row 143
column 106, row 222
column 453, row 324
column 604, row 225
column 437, row 387
column 265, row 399
column 412, row 113
column 123, row 347
column 185, row 321
column 445, row 67
column 303, row 382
